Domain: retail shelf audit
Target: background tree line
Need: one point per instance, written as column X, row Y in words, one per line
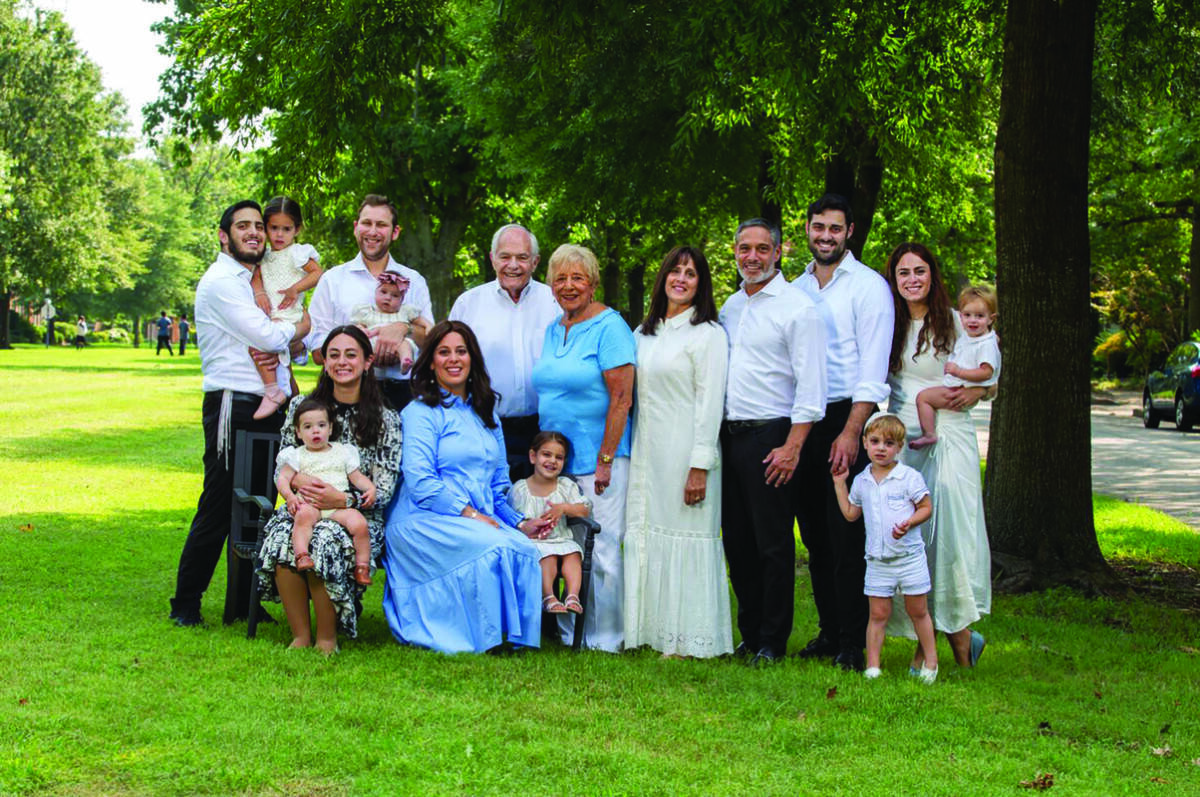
column 1047, row 145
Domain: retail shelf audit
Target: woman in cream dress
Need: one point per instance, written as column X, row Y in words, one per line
column 676, row 595
column 956, row 540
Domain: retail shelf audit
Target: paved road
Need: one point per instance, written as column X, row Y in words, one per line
column 1156, row 467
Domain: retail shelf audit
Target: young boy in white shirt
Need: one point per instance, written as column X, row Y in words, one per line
column 894, row 501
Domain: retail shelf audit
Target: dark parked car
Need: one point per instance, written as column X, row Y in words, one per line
column 1174, row 390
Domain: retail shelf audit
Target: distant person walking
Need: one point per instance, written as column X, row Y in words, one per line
column 164, row 334
column 80, row 333
column 48, row 313
column 183, row 334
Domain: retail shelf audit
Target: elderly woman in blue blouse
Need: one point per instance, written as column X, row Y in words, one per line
column 584, row 382
column 462, row 574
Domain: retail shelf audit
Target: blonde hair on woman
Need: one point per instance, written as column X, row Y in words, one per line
column 572, row 255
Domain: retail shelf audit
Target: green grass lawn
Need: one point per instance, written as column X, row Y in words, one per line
column 99, row 472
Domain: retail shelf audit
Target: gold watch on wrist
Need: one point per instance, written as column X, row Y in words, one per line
column 606, row 459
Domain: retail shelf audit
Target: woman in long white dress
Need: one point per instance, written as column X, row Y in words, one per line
column 676, row 594
column 956, row 535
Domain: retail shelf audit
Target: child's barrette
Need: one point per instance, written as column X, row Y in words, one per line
column 878, row 415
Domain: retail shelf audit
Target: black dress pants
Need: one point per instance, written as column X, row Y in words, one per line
column 396, row 392
column 214, row 510
column 519, row 432
column 757, row 523
column 164, row 343
column 835, row 546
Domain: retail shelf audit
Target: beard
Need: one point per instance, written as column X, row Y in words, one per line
column 833, row 257
column 763, row 276
column 245, row 255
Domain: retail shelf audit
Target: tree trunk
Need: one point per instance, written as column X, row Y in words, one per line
column 635, row 283
column 857, row 174
column 769, row 207
column 5, row 321
column 1039, row 479
column 137, row 331
column 1193, row 316
column 610, row 268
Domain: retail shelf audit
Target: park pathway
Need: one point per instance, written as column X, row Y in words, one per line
column 1159, row 468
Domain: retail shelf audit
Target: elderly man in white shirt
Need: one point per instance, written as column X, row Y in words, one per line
column 344, row 287
column 856, row 307
column 509, row 316
column 228, row 324
column 776, row 392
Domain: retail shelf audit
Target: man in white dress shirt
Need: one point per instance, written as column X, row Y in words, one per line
column 344, row 287
column 509, row 315
column 228, row 323
column 775, row 393
column 856, row 307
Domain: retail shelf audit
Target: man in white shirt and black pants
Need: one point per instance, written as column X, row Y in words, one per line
column 228, row 324
column 344, row 287
column 776, row 392
column 509, row 315
column 856, row 307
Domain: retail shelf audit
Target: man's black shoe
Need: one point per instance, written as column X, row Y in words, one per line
column 764, row 658
column 819, row 647
column 743, row 651
column 187, row 619
column 851, row 660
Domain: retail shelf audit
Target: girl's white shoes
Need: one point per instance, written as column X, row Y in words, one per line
column 871, row 672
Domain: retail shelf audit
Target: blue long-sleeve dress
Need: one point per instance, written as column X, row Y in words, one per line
column 455, row 584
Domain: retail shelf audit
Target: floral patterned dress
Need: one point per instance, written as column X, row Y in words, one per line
column 331, row 548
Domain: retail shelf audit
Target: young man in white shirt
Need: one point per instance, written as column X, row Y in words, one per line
column 344, row 287
column 228, row 324
column 509, row 316
column 856, row 306
column 776, row 391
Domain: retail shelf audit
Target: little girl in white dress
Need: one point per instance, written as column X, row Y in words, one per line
column 549, row 496
column 389, row 308
column 287, row 271
column 336, row 464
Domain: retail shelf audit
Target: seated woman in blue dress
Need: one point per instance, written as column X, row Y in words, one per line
column 462, row 574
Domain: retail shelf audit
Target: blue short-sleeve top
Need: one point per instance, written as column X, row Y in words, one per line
column 569, row 379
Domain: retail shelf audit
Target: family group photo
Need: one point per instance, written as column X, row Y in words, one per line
column 527, row 398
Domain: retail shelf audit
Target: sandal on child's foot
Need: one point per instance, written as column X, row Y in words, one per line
column 272, row 400
column 304, row 562
column 573, row 605
column 362, row 575
column 553, row 605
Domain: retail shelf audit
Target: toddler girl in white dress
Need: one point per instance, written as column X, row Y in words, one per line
column 336, row 464
column 554, row 498
column 975, row 361
column 389, row 308
column 287, row 271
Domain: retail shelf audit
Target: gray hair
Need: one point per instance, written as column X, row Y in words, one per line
column 776, row 235
column 533, row 244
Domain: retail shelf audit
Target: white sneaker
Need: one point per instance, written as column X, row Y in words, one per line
column 873, row 672
column 927, row 675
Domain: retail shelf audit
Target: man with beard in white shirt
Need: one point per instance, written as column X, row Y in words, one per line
column 509, row 316
column 344, row 287
column 856, row 307
column 776, row 391
column 228, row 322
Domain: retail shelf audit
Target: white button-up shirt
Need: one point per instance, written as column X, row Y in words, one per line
column 776, row 354
column 510, row 335
column 228, row 323
column 856, row 306
column 886, row 503
column 344, row 287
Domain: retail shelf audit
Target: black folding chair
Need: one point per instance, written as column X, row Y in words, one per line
column 253, row 503
column 586, row 528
